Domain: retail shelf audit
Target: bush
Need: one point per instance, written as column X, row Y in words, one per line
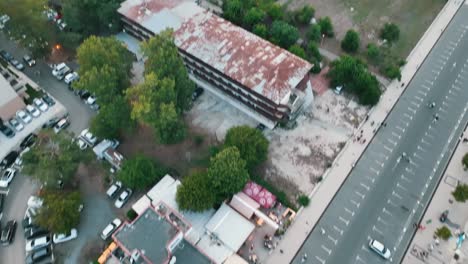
column 351, row 41
column 253, row 17
column 304, row 15
column 392, row 72
column 316, row 68
column 326, row 26
column 131, row 214
column 314, row 34
column 298, row 51
column 303, row 200
column 461, row 193
column 443, row 233
column 373, row 52
column 390, row 32
column 313, row 52
column 283, row 34
column 260, row 30
column 465, row 161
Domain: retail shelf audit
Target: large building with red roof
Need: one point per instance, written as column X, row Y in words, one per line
column 264, row 81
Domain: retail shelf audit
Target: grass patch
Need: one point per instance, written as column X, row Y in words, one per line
column 280, row 195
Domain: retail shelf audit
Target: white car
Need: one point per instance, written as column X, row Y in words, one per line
column 63, row 123
column 39, row 104
column 38, row 243
column 33, row 111
column 7, row 177
column 60, row 238
column 19, row 159
column 23, row 116
column 16, row 124
column 91, row 100
column 112, row 191
column 81, row 144
column 123, row 198
column 110, row 228
column 69, row 78
column 379, row 248
column 88, row 137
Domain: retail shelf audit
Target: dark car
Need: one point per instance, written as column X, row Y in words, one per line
column 8, row 132
column 197, row 93
column 48, row 100
column 84, row 95
column 27, row 222
column 6, row 55
column 38, row 255
column 2, row 199
column 8, row 160
column 51, row 123
column 28, row 141
column 29, row 61
column 8, row 233
column 261, row 127
column 35, row 231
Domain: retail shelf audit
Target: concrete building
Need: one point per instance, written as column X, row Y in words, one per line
column 262, row 80
column 10, row 101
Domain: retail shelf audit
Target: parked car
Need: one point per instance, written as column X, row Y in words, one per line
column 33, row 111
column 39, row 104
column 8, row 233
column 60, row 70
column 110, row 228
column 29, row 61
column 38, row 243
column 8, row 160
column 91, row 100
column 48, row 100
column 379, row 248
column 62, row 124
column 18, row 65
column 7, row 177
column 71, row 77
column 8, row 132
column 88, row 137
column 112, row 191
column 2, row 200
column 51, row 123
column 84, row 95
column 23, row 116
column 34, row 231
column 197, row 93
column 123, row 198
column 19, row 159
column 38, row 255
column 338, row 90
column 60, row 238
column 260, row 127
column 27, row 222
column 6, row 55
column 28, row 141
column 16, row 124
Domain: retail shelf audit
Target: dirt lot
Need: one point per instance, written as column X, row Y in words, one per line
column 367, row 16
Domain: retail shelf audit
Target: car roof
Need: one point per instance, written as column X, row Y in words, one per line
column 379, row 246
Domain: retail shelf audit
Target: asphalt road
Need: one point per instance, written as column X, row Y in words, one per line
column 386, row 193
column 80, row 114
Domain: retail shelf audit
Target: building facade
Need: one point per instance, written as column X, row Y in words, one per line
column 262, row 80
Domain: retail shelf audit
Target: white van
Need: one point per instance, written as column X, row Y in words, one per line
column 60, row 71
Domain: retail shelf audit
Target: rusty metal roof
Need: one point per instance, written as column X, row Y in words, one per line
column 250, row 60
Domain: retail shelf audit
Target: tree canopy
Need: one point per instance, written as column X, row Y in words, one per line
column 260, row 30
column 390, row 32
column 227, row 173
column 283, row 34
column 253, row 16
column 194, row 194
column 326, row 26
column 298, row 51
column 112, row 119
column 373, row 52
column 54, row 157
column 350, row 43
column 140, row 172
column 352, row 73
column 59, row 212
column 304, row 15
column 251, row 143
column 314, row 33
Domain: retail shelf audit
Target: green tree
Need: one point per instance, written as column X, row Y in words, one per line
column 351, row 41
column 59, row 213
column 170, row 128
column 373, row 52
column 233, row 11
column 443, row 233
column 392, row 72
column 100, row 15
column 96, row 53
column 313, row 52
column 251, row 143
column 465, row 161
column 303, row 200
column 195, row 194
column 260, row 30
column 253, row 17
column 112, row 119
column 305, row 14
column 103, row 82
column 461, row 193
column 298, row 51
column 326, row 26
column 140, row 172
column 227, row 173
column 314, row 33
column 275, row 11
column 390, row 32
column 70, row 40
column 54, row 158
column 164, row 60
column 283, row 34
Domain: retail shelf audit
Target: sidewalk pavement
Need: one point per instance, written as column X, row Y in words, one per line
column 324, row 192
column 457, row 221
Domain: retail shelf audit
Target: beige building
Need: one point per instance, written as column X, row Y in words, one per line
column 10, row 102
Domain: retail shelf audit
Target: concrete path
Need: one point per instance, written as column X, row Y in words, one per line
column 325, row 191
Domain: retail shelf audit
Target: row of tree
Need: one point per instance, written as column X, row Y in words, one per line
column 244, row 149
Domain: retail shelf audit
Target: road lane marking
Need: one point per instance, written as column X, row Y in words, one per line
column 396, row 195
column 344, row 220
column 319, row 259
column 365, row 186
column 360, row 260
column 391, row 141
column 335, row 241
column 412, row 110
column 396, row 135
column 406, row 179
column 355, row 203
column 377, row 230
column 400, row 128
column 326, row 249
column 370, row 178
column 418, row 98
column 417, row 156
column 349, row 211
column 379, row 163
column 391, row 203
column 410, row 171
column 387, row 148
column 374, row 170
column 408, row 116
column 429, row 135
column 425, row 87
column 421, row 148
column 360, row 194
column 381, row 220
column 401, row 186
column 338, row 229
column 421, row 92
column 385, row 211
